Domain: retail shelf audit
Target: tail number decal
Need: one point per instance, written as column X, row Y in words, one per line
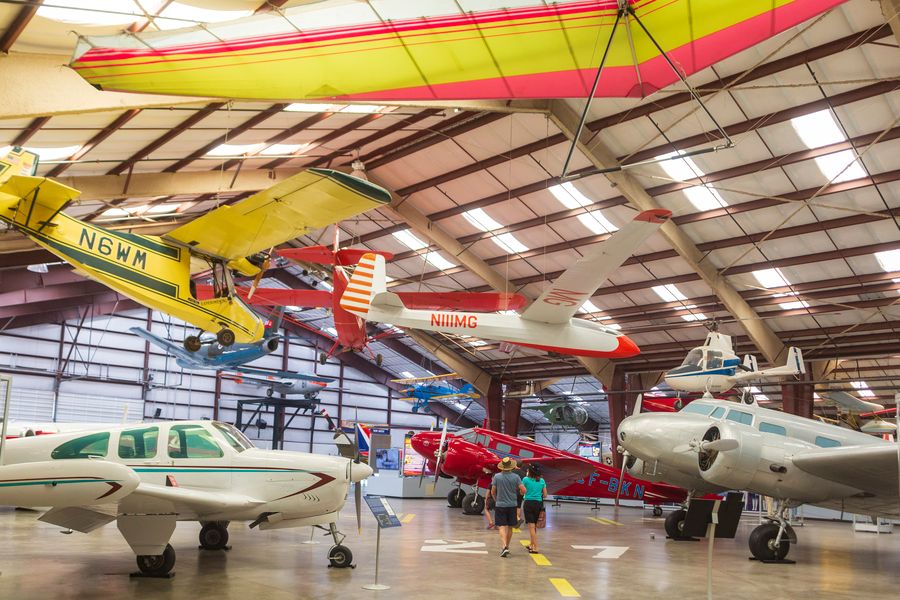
column 561, row 297
column 452, row 320
column 106, row 246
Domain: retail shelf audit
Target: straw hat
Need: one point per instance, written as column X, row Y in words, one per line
column 507, row 464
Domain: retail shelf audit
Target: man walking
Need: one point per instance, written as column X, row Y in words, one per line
column 505, row 488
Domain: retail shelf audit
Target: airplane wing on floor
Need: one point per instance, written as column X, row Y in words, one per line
column 309, row 200
column 176, row 350
column 565, row 296
column 870, row 468
column 560, row 472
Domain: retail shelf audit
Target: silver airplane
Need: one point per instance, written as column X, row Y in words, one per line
column 717, row 445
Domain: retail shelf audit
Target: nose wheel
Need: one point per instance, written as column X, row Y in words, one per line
column 472, row 504
column 455, row 498
column 339, row 556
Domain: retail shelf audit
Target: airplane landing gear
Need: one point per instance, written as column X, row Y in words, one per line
column 472, row 504
column 455, row 498
column 214, row 536
column 378, row 360
column 771, row 542
column 657, row 511
column 323, row 358
column 675, row 525
column 192, row 343
column 157, row 565
column 225, row 337
column 339, row 556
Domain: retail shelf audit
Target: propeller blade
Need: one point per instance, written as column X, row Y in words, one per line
column 440, row 454
column 624, row 462
column 357, row 496
column 681, row 448
column 723, row 445
column 637, row 405
column 262, row 270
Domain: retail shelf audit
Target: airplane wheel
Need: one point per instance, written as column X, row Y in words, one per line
column 270, row 392
column 192, row 343
column 762, row 543
column 378, row 360
column 225, row 337
column 340, row 557
column 657, row 511
column 214, row 536
column 472, row 504
column 157, row 564
column 675, row 524
column 323, row 358
column 455, row 498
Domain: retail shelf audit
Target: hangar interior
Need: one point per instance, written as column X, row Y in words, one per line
column 788, row 237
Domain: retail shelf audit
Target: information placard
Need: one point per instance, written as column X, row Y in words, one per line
column 383, row 512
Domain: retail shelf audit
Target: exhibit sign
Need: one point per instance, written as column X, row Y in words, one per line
column 383, row 512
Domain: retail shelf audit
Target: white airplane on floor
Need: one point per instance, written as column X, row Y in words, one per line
column 717, row 445
column 204, row 471
column 715, row 368
column 547, row 324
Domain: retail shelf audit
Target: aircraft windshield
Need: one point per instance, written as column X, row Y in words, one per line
column 233, row 436
column 693, row 358
column 466, row 434
column 698, row 408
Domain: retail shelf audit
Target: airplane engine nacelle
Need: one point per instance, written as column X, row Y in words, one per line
column 466, row 461
column 762, row 463
column 272, row 345
column 61, row 483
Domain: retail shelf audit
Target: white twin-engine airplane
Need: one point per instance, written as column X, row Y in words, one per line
column 547, row 324
column 146, row 477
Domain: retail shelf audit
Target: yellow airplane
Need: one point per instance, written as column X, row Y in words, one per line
column 156, row 270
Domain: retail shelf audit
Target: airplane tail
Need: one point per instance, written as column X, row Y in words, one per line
column 18, row 162
column 795, row 361
column 750, row 364
column 368, row 287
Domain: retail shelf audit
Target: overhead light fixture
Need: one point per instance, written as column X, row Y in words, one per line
column 359, row 169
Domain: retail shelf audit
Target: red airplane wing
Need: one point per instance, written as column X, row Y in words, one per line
column 878, row 413
column 276, row 296
column 468, row 301
column 321, row 255
column 351, row 256
column 560, row 472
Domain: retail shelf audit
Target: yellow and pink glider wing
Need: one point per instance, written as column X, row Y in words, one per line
column 436, row 50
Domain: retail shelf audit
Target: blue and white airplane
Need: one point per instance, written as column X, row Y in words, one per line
column 715, row 368
column 423, row 390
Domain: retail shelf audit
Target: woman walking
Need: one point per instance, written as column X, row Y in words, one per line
column 535, row 492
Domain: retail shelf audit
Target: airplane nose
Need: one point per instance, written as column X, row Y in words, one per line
column 626, row 347
column 359, row 471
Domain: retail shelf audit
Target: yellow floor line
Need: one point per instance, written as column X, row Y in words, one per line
column 540, row 559
column 603, row 521
column 525, row 542
column 407, row 518
column 516, row 530
column 564, row 588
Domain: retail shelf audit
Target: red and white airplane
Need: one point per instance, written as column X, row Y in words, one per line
column 547, row 324
column 471, row 456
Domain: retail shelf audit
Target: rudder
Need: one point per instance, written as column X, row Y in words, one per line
column 368, row 279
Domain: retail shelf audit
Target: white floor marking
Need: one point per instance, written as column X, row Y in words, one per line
column 605, row 551
column 454, row 546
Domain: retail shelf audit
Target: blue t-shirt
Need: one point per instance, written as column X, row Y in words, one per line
column 534, row 488
column 507, row 484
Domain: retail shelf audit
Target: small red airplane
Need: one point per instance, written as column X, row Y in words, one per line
column 351, row 329
column 664, row 404
column 471, row 456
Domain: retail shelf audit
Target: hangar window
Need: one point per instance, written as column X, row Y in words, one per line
column 192, row 441
column 138, row 443
column 85, row 446
column 825, row 442
column 772, row 428
column 739, row 416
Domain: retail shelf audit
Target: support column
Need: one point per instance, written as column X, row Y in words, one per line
column 616, row 401
column 512, row 412
column 797, row 397
column 494, row 405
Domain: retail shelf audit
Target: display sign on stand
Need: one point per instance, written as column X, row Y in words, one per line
column 713, row 519
column 386, row 517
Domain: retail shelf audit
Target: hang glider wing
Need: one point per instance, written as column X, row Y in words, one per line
column 870, row 468
column 307, row 201
column 176, row 350
column 276, row 296
column 565, row 296
column 563, row 471
column 850, row 402
column 466, row 301
column 402, row 50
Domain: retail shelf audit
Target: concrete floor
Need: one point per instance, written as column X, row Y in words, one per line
column 37, row 561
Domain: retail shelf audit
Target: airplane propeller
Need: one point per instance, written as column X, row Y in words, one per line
column 439, row 455
column 262, row 271
column 348, row 448
column 635, row 411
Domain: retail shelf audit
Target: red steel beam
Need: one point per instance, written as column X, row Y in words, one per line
column 27, row 133
column 20, row 21
column 334, row 134
column 94, row 141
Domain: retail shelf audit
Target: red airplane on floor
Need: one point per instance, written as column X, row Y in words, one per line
column 351, row 329
column 471, row 456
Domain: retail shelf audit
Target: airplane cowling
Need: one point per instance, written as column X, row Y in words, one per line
column 272, row 344
column 61, row 483
column 762, row 464
column 466, row 461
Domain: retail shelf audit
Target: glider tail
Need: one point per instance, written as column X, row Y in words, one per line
column 367, row 281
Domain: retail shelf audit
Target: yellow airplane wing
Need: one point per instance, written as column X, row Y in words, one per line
column 307, row 201
column 33, row 201
column 429, row 378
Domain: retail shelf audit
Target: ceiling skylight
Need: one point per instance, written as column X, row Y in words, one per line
column 669, row 292
column 771, row 278
column 793, row 305
column 58, row 153
column 679, row 169
column 589, row 307
column 889, row 260
column 311, row 107
column 569, row 195
column 409, row 239
column 330, row 330
column 862, row 388
column 282, row 149
column 177, row 15
column 235, row 149
column 704, row 197
column 92, row 12
column 820, row 129
column 694, row 316
column 438, row 261
column 406, row 375
column 596, row 222
column 484, row 222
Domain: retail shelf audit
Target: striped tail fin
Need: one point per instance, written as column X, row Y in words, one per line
column 368, row 279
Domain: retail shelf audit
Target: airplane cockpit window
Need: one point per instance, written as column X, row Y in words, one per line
column 138, row 443
column 698, row 408
column 233, row 436
column 739, row 416
column 693, row 358
column 714, row 359
column 466, row 434
column 483, row 440
column 192, row 441
column 95, row 444
column 717, row 414
column 824, row 442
